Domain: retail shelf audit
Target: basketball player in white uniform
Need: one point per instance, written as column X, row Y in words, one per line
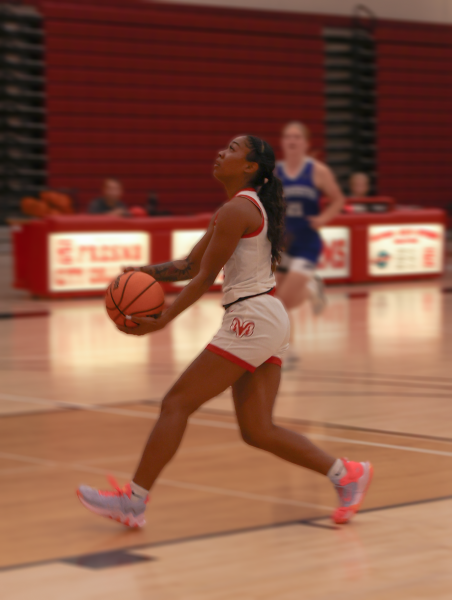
column 245, row 236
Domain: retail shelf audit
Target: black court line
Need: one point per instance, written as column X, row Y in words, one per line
column 367, row 393
column 312, row 522
column 320, row 424
column 372, row 376
column 381, row 382
column 225, row 413
column 106, row 560
column 25, row 315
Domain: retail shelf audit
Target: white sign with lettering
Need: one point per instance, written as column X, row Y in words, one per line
column 334, row 262
column 90, row 261
column 405, row 249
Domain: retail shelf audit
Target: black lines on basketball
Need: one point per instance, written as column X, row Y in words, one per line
column 140, row 295
column 148, row 310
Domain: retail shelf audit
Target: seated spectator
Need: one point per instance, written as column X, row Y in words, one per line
column 359, row 185
column 110, row 201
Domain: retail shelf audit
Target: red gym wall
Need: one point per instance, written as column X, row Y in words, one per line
column 148, row 93
column 414, row 97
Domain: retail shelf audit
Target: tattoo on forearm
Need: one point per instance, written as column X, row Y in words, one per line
column 178, row 270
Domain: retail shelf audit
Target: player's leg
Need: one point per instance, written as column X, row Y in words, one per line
column 293, row 290
column 282, row 270
column 208, row 376
column 205, row 378
column 280, row 276
column 254, row 398
column 301, row 282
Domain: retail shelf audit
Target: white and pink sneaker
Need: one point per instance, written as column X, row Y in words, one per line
column 117, row 505
column 352, row 489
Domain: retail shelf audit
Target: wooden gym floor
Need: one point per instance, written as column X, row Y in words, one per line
column 77, row 400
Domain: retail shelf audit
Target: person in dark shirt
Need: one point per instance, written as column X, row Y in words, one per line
column 110, row 202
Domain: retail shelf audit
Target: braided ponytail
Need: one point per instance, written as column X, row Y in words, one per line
column 270, row 192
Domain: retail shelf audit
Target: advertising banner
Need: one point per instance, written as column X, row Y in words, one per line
column 89, row 261
column 335, row 258
column 405, row 249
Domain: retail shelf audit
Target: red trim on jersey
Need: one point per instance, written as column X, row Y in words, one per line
column 274, row 360
column 231, row 357
column 245, row 190
column 259, row 230
column 255, row 233
column 272, row 292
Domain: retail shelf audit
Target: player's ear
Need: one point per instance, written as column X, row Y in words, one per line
column 251, row 167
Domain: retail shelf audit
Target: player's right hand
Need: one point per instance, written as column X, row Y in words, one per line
column 128, row 269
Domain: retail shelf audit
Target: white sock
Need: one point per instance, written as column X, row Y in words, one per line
column 337, row 471
column 138, row 493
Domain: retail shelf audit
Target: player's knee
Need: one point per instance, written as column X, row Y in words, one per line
column 177, row 405
column 257, row 437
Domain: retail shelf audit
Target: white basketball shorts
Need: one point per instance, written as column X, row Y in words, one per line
column 253, row 332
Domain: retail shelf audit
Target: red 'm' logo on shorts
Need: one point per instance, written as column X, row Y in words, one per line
column 241, row 329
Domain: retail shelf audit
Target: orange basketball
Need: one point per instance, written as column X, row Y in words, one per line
column 133, row 294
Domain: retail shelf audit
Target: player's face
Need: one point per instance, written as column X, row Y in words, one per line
column 359, row 185
column 112, row 191
column 231, row 163
column 294, row 142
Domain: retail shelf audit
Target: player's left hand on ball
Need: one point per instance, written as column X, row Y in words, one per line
column 145, row 325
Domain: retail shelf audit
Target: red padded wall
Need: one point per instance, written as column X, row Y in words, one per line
column 414, row 112
column 148, row 93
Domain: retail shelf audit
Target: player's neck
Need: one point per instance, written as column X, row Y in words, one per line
column 294, row 164
column 233, row 188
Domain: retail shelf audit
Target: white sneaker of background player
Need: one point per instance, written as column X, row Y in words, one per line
column 316, row 289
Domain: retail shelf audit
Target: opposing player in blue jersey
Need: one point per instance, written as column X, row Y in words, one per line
column 305, row 181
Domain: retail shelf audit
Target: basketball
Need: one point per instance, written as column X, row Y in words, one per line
column 133, row 294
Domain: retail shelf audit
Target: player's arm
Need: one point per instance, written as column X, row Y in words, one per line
column 179, row 270
column 233, row 221
column 327, row 184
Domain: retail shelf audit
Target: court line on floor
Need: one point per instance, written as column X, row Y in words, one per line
column 147, row 545
column 28, row 459
column 24, row 315
column 325, row 424
column 85, row 468
column 216, row 424
column 362, row 381
column 370, row 375
column 228, row 533
column 184, row 450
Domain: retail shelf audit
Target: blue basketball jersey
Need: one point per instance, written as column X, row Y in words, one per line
column 302, row 201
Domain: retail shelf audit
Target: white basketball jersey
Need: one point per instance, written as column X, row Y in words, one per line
column 249, row 270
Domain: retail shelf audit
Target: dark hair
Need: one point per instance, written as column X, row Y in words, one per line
column 270, row 192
